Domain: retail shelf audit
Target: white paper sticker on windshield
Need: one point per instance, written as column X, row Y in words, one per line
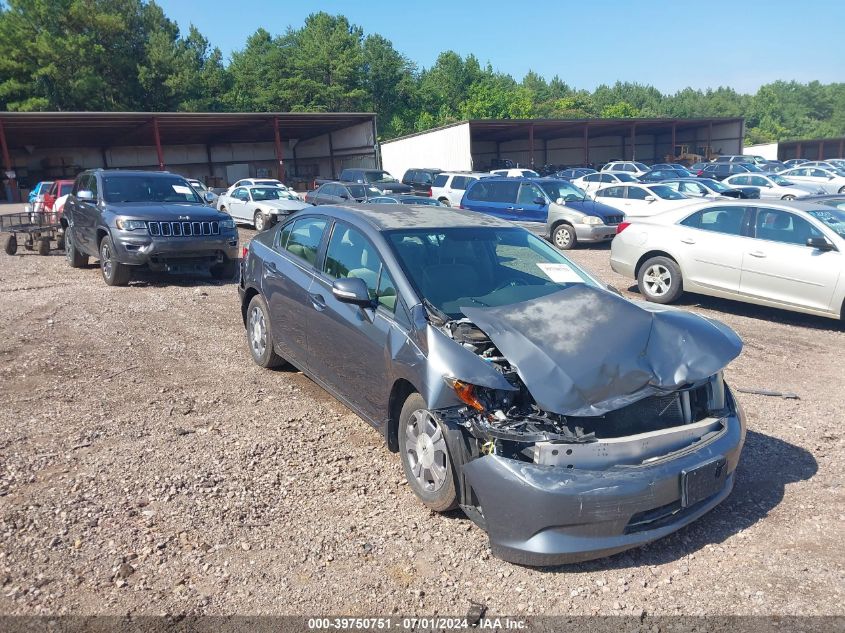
column 182, row 189
column 560, row 273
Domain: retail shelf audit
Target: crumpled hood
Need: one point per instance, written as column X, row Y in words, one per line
column 584, row 351
column 591, row 207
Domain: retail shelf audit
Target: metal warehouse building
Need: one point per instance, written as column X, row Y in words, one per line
column 217, row 148
column 471, row 145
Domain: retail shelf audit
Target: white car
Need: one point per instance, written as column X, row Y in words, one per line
column 593, row 182
column 773, row 186
column 626, row 166
column 641, row 200
column 829, row 180
column 249, row 182
column 449, row 186
column 259, row 205
column 782, row 254
column 515, row 172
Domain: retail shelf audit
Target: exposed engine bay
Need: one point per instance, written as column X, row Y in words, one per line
column 511, row 424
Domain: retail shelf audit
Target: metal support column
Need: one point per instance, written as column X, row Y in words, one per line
column 798, row 151
column 586, row 144
column 531, row 146
column 709, row 138
column 332, row 171
column 821, row 150
column 210, row 163
column 7, row 165
column 674, row 141
column 278, row 140
column 104, row 157
column 157, row 138
column 634, row 142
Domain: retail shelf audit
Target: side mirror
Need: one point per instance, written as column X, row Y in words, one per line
column 352, row 290
column 560, row 201
column 209, row 197
column 85, row 194
column 540, row 201
column 819, row 243
column 650, row 198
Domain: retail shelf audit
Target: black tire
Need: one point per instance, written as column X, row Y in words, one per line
column 445, row 202
column 841, row 189
column 225, row 270
column 114, row 273
column 10, row 244
column 660, row 280
column 563, row 237
column 44, row 246
column 74, row 257
column 788, row 197
column 60, row 242
column 260, row 343
column 438, row 496
column 260, row 222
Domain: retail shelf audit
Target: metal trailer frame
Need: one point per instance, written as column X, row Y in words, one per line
column 38, row 228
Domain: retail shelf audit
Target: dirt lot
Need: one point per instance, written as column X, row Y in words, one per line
column 147, row 466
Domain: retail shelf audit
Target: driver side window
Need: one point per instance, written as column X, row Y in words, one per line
column 528, row 193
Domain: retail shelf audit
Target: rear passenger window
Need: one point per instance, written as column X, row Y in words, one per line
column 305, row 237
column 726, row 220
column 441, row 180
column 635, row 193
column 460, row 182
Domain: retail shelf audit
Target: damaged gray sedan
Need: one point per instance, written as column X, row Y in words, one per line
column 566, row 421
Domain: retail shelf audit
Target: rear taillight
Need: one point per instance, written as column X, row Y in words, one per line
column 429, row 192
column 622, row 226
column 245, row 251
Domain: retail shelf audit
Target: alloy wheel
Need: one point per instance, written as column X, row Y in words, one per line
column 426, row 451
column 657, row 280
column 106, row 259
column 258, row 332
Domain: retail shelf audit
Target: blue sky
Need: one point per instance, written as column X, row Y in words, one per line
column 670, row 44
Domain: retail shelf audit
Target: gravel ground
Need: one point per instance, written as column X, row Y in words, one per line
column 147, row 466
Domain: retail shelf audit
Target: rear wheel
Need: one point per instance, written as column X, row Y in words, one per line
column 564, row 237
column 841, row 189
column 10, row 244
column 114, row 273
column 788, row 197
column 44, row 246
column 660, row 280
column 425, row 456
column 445, row 202
column 259, row 337
column 73, row 255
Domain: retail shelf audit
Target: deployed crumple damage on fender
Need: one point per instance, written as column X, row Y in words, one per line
column 582, row 351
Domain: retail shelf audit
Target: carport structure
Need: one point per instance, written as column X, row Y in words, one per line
column 215, row 147
column 476, row 143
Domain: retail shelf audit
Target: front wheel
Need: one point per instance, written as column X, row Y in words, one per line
column 841, row 189
column 660, row 281
column 44, row 246
column 114, row 273
column 788, row 197
column 564, row 237
column 425, row 456
column 259, row 336
column 445, row 202
column 260, row 221
column 10, row 244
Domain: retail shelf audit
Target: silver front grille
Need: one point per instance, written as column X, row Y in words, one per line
column 183, row 229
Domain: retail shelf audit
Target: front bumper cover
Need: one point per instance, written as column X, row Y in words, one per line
column 549, row 515
column 160, row 253
column 595, row 232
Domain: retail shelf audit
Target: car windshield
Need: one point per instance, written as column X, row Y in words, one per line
column 752, row 167
column 715, row 185
column 429, row 202
column 266, row 193
column 641, row 167
column 378, row 176
column 562, row 189
column 460, row 267
column 65, row 188
column 529, row 173
column 196, row 184
column 362, row 191
column 137, row 188
column 780, row 180
column 623, row 177
column 667, row 193
column 833, row 217
column 270, row 183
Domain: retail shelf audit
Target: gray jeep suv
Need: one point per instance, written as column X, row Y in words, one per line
column 132, row 219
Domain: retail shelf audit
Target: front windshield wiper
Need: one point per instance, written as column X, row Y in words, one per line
column 481, row 303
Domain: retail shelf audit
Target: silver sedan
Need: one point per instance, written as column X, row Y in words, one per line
column 773, row 186
column 782, row 254
column 830, row 180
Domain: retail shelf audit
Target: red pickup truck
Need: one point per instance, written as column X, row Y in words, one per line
column 58, row 189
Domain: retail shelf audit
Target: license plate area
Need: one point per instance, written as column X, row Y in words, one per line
column 701, row 482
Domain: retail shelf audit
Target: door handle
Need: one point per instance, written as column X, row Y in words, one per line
column 760, row 254
column 688, row 240
column 519, row 209
column 271, row 266
column 317, row 301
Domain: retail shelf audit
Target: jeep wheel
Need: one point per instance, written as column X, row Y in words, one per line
column 259, row 336
column 564, row 237
column 10, row 244
column 225, row 270
column 114, row 273
column 425, row 456
column 75, row 258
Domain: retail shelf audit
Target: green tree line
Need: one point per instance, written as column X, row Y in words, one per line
column 128, row 55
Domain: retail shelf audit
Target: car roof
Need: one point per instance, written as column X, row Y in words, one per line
column 135, row 172
column 387, row 217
